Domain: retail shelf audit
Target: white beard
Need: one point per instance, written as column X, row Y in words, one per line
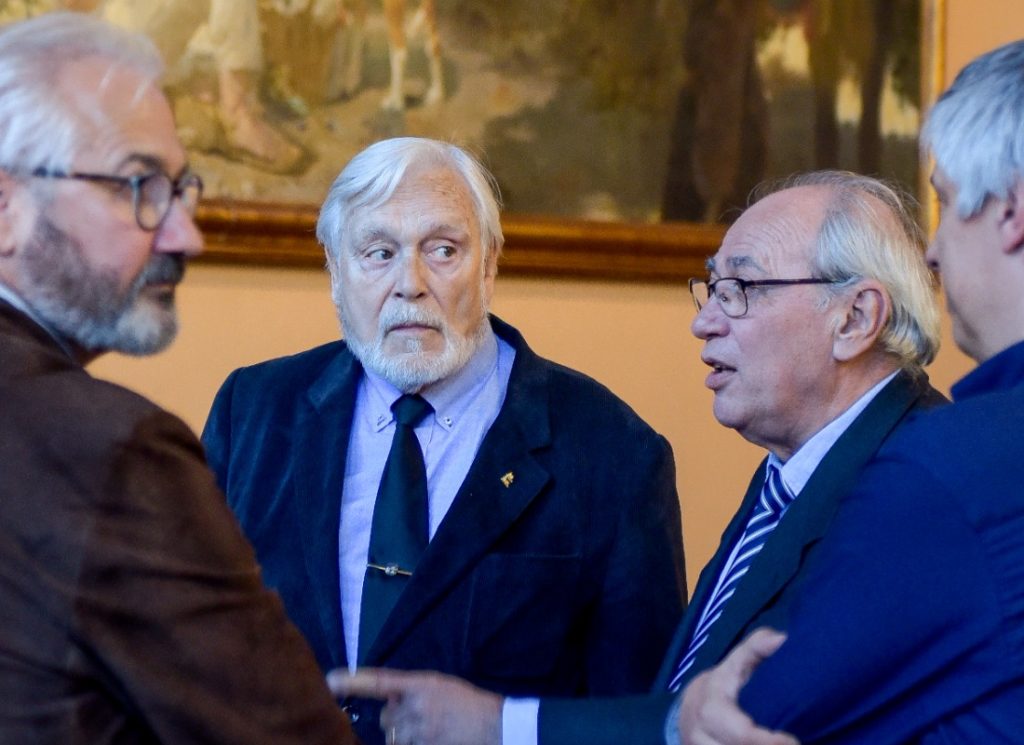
column 414, row 369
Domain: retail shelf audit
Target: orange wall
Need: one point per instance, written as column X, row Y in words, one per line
column 633, row 337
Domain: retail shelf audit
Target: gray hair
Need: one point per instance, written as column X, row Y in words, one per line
column 372, row 176
column 38, row 127
column 976, row 129
column 870, row 233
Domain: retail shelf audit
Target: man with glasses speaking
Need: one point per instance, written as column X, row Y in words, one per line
column 818, row 315
column 131, row 607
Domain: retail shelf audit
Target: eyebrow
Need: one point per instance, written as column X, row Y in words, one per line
column 371, row 234
column 449, row 229
column 150, row 163
column 734, row 263
column 378, row 233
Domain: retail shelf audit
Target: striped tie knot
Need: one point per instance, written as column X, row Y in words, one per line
column 775, row 497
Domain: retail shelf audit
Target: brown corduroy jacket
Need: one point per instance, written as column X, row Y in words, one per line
column 131, row 606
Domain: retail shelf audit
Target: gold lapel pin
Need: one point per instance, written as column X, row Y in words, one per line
column 507, row 479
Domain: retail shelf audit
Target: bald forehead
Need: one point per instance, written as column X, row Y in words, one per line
column 777, row 232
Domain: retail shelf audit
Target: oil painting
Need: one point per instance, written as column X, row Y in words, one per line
column 593, row 115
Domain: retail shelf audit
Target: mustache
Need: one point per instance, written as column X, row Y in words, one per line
column 163, row 268
column 403, row 315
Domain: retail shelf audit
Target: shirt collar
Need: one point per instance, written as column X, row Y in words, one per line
column 1003, row 370
column 797, row 471
column 13, row 299
column 451, row 397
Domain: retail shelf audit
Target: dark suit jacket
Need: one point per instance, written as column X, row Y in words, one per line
column 764, row 596
column 569, row 581
column 131, row 609
column 909, row 627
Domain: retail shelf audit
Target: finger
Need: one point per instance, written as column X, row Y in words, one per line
column 757, row 647
column 770, row 737
column 367, row 683
column 388, row 716
column 730, row 726
column 765, row 641
column 398, row 719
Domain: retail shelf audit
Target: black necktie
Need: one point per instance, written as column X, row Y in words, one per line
column 400, row 523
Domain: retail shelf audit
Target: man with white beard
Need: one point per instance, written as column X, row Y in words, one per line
column 521, row 529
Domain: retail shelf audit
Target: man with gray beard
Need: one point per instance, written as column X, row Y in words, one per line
column 530, row 541
column 131, row 608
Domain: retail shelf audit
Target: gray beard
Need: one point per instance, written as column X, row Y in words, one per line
column 87, row 307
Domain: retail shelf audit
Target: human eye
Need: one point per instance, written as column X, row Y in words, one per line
column 154, row 187
column 376, row 254
column 138, row 173
column 727, row 290
column 442, row 252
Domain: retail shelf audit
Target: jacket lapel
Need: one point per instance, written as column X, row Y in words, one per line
column 324, row 425
column 502, row 482
column 706, row 582
column 809, row 517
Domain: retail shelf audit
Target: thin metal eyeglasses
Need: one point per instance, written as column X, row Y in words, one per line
column 152, row 193
column 731, row 292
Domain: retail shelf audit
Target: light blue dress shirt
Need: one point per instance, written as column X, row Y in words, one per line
column 465, row 406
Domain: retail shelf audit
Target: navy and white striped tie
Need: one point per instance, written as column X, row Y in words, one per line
column 775, row 498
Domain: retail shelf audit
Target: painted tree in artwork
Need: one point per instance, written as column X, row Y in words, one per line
column 723, row 125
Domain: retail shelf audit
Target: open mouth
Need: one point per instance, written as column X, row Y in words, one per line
column 719, row 374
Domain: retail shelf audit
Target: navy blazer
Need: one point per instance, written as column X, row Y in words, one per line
column 764, row 596
column 909, row 628
column 568, row 581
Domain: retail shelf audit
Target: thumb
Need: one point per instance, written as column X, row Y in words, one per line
column 754, row 650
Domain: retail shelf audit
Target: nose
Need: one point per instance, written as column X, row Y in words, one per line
column 178, row 233
column 411, row 282
column 710, row 321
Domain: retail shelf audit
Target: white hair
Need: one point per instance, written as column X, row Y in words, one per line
column 372, row 176
column 976, row 129
column 38, row 127
column 869, row 232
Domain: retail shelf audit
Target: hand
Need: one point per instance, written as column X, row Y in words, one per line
column 710, row 714
column 425, row 708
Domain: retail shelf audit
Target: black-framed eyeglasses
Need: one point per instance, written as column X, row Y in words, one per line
column 152, row 193
column 731, row 292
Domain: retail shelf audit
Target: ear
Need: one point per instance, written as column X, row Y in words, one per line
column 864, row 313
column 490, row 271
column 1011, row 220
column 8, row 215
